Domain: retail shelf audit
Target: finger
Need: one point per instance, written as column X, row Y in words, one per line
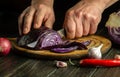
column 69, row 26
column 93, row 27
column 79, row 26
column 86, row 25
column 50, row 21
column 39, row 15
column 20, row 21
column 28, row 20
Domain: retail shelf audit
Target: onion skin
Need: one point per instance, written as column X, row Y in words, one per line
column 5, row 46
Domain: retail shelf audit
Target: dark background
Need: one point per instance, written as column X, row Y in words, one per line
column 11, row 9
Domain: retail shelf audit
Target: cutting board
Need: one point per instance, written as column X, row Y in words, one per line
column 46, row 54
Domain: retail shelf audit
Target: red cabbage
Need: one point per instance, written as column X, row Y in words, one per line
column 114, row 34
column 69, row 46
column 40, row 38
column 113, row 26
column 49, row 39
column 62, row 50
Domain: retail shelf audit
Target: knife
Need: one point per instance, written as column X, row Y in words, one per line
column 61, row 32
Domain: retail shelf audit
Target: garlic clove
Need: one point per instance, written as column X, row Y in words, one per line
column 95, row 52
column 100, row 46
column 61, row 64
column 117, row 56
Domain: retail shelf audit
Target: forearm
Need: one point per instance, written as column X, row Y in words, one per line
column 47, row 2
column 108, row 3
column 101, row 4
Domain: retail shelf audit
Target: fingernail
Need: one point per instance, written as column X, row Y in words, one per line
column 36, row 26
column 25, row 30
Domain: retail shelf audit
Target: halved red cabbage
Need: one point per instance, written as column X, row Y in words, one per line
column 31, row 36
column 41, row 38
column 49, row 39
column 114, row 34
column 113, row 25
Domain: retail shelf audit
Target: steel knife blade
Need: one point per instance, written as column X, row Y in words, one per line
column 61, row 32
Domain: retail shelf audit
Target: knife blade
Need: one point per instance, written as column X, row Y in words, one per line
column 61, row 32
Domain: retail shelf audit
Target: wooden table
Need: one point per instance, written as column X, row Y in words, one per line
column 15, row 65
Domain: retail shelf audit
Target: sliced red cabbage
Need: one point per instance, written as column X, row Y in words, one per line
column 67, row 47
column 63, row 50
column 86, row 43
column 51, row 38
column 32, row 36
column 45, row 38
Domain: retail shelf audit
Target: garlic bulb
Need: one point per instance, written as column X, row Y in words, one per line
column 95, row 52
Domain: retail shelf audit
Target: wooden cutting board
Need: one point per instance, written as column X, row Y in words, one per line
column 46, row 54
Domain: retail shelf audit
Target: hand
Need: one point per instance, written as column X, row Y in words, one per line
column 82, row 19
column 40, row 12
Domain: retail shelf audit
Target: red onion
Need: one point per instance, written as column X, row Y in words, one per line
column 5, row 46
